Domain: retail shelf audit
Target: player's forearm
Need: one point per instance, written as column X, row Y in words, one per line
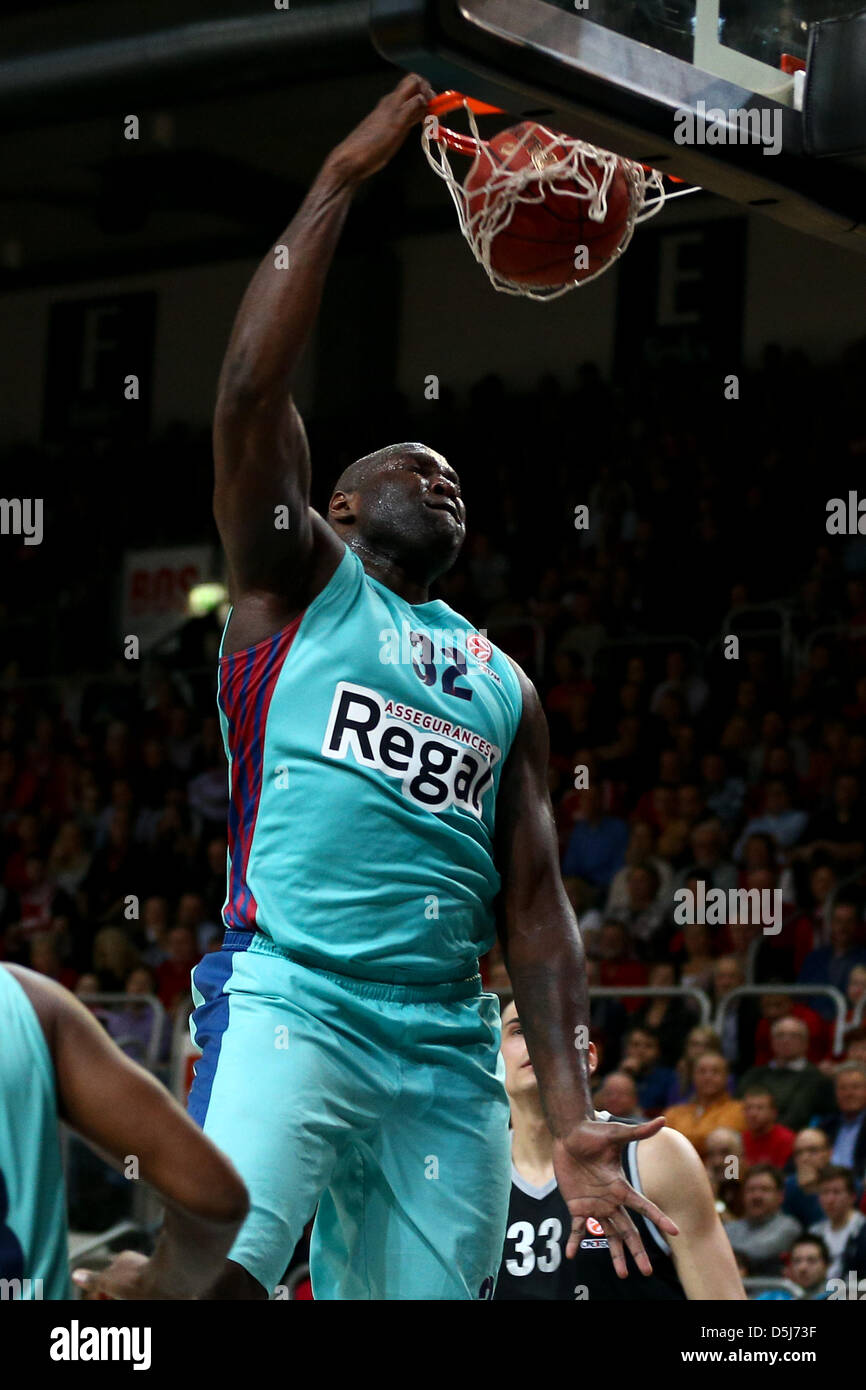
column 190, row 1254
column 279, row 309
column 545, row 962
column 707, row 1269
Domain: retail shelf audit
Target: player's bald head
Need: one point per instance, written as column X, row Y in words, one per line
column 365, row 470
column 358, row 474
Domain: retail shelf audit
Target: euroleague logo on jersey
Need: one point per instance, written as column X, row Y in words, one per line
column 438, row 763
column 595, row 1238
column 479, row 647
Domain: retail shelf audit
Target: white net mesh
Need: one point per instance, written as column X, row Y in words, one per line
column 486, row 208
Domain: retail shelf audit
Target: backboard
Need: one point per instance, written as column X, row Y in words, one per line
column 760, row 101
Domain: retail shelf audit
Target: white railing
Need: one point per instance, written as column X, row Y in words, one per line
column 795, row 992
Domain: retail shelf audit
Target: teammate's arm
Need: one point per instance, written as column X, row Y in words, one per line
column 672, row 1174
column 260, row 449
column 120, row 1108
column 544, row 957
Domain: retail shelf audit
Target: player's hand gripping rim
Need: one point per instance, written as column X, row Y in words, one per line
column 375, row 141
column 590, row 1177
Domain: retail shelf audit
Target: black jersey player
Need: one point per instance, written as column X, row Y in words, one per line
column 696, row 1264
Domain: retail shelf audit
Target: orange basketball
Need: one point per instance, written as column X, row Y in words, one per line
column 539, row 245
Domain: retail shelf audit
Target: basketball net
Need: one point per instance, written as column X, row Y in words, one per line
column 585, row 172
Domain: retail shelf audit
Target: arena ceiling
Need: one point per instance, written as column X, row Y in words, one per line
column 235, row 116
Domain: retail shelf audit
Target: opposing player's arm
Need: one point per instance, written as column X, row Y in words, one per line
column 544, row 957
column 262, row 461
column 672, row 1174
column 121, row 1109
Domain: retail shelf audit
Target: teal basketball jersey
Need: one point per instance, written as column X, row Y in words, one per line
column 33, row 1233
column 366, row 742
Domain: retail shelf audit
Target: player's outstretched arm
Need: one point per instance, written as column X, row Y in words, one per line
column 671, row 1173
column 544, row 956
column 260, row 450
column 121, row 1109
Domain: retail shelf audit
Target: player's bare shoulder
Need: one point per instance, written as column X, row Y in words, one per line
column 533, row 711
column 670, row 1169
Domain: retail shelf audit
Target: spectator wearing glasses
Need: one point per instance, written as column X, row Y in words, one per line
column 765, row 1234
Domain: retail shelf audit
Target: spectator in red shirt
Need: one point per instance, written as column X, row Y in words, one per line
column 172, row 976
column 571, row 681
column 40, row 906
column 619, row 968
column 764, row 1139
column 812, row 929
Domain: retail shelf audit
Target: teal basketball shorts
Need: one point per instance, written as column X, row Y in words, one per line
column 380, row 1107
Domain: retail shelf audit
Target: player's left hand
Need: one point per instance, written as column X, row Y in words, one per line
column 589, row 1175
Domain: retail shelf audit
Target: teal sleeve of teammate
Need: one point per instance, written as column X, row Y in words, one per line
column 33, row 1233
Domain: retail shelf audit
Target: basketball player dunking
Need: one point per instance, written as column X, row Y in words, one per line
column 350, row 1060
column 544, row 1258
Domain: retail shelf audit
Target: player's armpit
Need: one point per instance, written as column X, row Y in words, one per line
column 673, row 1176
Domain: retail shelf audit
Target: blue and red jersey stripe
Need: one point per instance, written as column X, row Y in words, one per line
column 247, row 682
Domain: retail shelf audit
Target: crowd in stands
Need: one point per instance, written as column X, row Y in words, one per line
column 676, row 762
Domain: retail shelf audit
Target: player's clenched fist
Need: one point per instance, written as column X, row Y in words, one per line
column 379, row 136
